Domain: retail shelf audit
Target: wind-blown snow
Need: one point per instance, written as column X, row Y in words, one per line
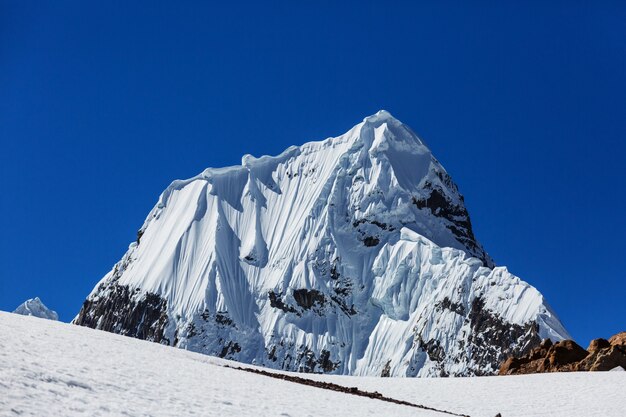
column 34, row 307
column 55, row 369
column 352, row 255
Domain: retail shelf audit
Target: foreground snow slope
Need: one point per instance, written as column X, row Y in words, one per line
column 54, row 369
column 353, row 255
column 584, row 394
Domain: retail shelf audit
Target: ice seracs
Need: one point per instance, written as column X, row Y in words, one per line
column 34, row 307
column 352, row 255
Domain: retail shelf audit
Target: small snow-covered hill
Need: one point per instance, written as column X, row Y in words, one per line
column 353, row 255
column 35, row 307
column 56, row 369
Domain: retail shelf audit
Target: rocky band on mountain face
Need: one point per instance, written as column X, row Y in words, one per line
column 567, row 355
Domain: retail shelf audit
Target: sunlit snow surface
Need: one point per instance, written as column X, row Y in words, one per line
column 55, row 369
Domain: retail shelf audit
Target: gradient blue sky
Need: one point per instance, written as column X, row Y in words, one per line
column 103, row 104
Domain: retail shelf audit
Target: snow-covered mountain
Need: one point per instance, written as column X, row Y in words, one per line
column 353, row 255
column 34, row 307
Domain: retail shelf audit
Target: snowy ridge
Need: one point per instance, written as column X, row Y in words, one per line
column 34, row 307
column 352, row 255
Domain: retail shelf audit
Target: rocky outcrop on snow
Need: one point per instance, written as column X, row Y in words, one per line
column 618, row 339
column 34, row 307
column 566, row 355
column 353, row 255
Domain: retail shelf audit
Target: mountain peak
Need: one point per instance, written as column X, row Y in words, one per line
column 350, row 255
column 35, row 307
column 383, row 132
column 380, row 117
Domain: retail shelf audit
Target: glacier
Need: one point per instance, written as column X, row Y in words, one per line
column 353, row 255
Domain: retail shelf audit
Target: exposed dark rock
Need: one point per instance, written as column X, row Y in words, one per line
column 190, row 330
column 492, row 338
column 434, row 350
column 381, row 225
column 309, row 363
column 449, row 305
column 271, row 354
column 223, row 319
column 342, row 290
column 386, row 372
column 308, row 298
column 456, row 214
column 356, row 223
column 121, row 311
column 441, row 206
column 276, row 301
column 312, row 300
column 342, row 287
column 371, row 241
column 369, row 236
column 229, row 349
column 343, row 306
column 325, row 363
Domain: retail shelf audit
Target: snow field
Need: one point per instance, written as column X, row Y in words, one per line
column 55, row 369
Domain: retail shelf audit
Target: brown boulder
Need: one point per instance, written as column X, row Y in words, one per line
column 604, row 359
column 510, row 366
column 540, row 351
column 618, row 339
column 566, row 352
column 597, row 344
column 547, row 357
column 611, row 358
column 566, row 355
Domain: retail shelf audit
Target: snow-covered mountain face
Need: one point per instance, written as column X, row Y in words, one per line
column 353, row 255
column 34, row 307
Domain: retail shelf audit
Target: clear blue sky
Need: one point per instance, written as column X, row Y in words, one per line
column 103, row 104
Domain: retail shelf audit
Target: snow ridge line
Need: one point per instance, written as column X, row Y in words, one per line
column 340, row 388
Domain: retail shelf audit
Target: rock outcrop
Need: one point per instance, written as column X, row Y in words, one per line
column 567, row 356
